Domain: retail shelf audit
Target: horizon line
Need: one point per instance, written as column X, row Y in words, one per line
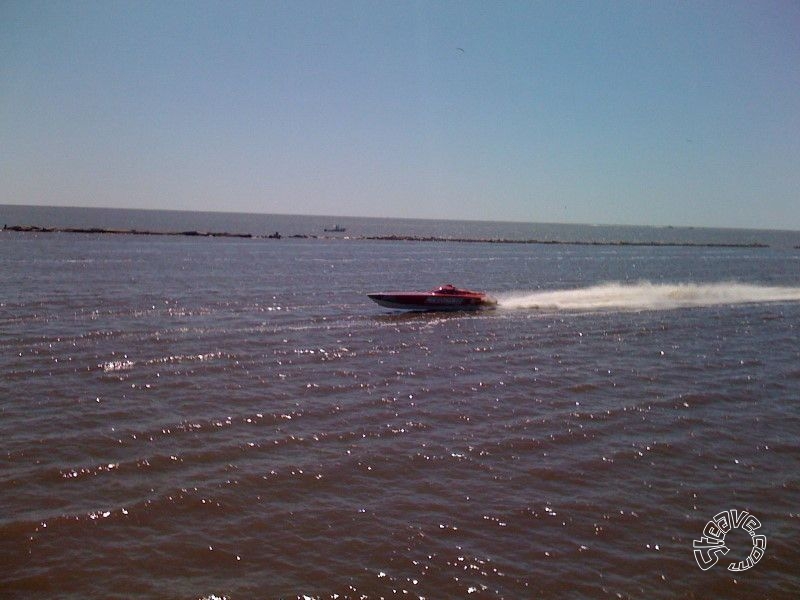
column 395, row 218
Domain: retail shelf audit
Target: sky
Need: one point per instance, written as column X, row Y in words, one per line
column 683, row 113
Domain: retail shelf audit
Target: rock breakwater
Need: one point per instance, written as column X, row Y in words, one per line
column 385, row 238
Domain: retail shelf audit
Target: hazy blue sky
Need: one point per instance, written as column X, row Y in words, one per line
column 682, row 113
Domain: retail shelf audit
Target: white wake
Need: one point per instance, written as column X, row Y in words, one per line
column 645, row 295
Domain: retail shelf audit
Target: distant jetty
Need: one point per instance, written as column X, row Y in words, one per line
column 411, row 238
column 100, row 230
column 385, row 238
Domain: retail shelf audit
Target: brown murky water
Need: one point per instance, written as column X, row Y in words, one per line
column 195, row 418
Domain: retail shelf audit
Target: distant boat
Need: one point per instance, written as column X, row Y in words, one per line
column 335, row 229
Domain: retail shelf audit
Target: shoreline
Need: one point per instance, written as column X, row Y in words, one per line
column 385, row 238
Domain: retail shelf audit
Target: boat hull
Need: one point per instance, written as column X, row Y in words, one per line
column 433, row 301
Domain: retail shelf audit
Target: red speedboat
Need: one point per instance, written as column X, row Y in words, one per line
column 446, row 297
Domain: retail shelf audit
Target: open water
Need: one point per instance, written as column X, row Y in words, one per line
column 223, row 418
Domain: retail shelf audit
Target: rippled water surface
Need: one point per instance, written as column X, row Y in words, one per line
column 198, row 418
